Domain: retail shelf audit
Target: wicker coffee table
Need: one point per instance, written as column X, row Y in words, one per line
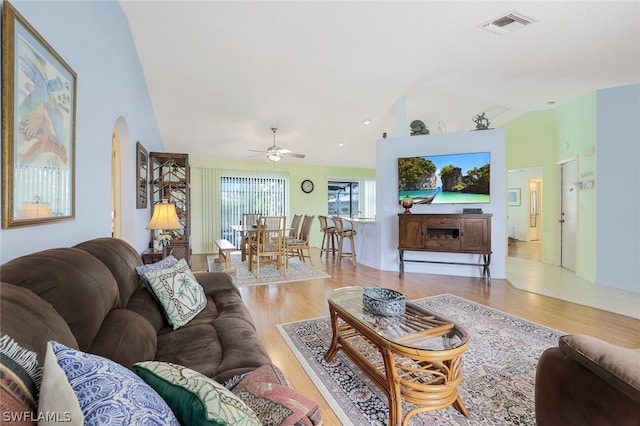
column 415, row 357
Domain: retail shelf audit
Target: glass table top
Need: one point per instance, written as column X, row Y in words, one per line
column 417, row 328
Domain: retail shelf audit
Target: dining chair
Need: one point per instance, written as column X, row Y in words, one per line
column 268, row 245
column 294, row 231
column 345, row 230
column 328, row 236
column 296, row 246
column 248, row 219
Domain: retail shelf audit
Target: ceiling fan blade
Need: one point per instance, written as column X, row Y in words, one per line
column 292, row 154
column 257, row 150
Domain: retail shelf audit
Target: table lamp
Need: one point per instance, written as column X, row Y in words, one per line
column 165, row 219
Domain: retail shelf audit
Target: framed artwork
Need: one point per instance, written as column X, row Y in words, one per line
column 142, row 175
column 38, row 127
column 513, row 196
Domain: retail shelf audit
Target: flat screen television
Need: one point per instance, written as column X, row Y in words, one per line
column 445, row 179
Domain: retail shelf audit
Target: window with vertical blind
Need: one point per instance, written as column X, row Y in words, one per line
column 350, row 198
column 230, row 193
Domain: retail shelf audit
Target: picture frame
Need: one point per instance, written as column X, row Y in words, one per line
column 38, row 127
column 142, row 176
column 513, row 196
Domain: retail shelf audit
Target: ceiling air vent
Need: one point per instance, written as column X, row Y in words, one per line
column 507, row 23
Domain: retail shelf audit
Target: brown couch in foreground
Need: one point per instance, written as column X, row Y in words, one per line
column 586, row 381
column 90, row 297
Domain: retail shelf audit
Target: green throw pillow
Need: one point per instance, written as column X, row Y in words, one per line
column 194, row 398
column 178, row 292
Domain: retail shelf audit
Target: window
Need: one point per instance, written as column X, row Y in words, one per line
column 343, row 199
column 246, row 194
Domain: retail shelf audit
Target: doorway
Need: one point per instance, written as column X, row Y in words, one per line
column 116, row 186
column 525, row 213
column 568, row 214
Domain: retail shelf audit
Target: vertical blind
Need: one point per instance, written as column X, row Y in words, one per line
column 227, row 194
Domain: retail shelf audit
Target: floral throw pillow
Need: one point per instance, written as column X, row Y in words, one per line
column 178, row 292
column 195, row 398
column 88, row 389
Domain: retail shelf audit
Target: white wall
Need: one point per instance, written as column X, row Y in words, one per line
column 384, row 236
column 95, row 40
column 618, row 191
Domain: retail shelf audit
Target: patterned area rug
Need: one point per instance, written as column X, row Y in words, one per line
column 298, row 271
column 498, row 371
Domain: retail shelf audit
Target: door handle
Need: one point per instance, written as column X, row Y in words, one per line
column 561, row 221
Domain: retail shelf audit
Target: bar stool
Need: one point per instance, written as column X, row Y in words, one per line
column 345, row 230
column 328, row 235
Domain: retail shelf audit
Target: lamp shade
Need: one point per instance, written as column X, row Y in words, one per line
column 34, row 210
column 164, row 217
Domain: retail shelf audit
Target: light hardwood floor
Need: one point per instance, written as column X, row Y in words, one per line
column 282, row 303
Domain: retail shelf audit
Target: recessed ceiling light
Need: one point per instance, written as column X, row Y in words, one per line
column 366, row 121
column 341, row 144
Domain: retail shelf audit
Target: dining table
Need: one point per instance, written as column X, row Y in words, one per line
column 248, row 231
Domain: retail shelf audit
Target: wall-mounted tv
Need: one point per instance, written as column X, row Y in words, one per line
column 445, row 179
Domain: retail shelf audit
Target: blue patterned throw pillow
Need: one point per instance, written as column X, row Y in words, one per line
column 165, row 263
column 93, row 390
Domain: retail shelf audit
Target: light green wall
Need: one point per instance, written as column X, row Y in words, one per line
column 576, row 131
column 545, row 138
column 314, row 203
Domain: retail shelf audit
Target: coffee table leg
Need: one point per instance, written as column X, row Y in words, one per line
column 459, row 405
column 393, row 389
column 333, row 349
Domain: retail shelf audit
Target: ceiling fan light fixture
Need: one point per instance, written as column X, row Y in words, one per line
column 274, row 157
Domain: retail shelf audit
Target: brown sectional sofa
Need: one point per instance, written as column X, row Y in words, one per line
column 586, row 381
column 90, row 297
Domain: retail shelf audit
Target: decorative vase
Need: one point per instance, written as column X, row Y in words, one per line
column 407, row 203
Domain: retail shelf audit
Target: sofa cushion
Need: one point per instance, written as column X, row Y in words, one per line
column 146, row 305
column 126, row 338
column 268, row 393
column 120, row 258
column 64, row 275
column 31, row 321
column 616, row 365
column 178, row 292
column 194, row 398
column 242, row 350
column 194, row 346
column 95, row 390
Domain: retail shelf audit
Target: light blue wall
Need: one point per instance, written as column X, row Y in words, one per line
column 384, row 236
column 95, row 40
column 618, row 188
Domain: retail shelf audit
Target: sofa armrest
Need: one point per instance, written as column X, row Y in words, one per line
column 569, row 393
column 618, row 366
column 215, row 283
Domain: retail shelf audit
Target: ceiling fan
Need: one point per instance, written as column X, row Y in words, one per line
column 274, row 153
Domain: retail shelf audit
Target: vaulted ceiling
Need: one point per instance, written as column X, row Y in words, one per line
column 221, row 73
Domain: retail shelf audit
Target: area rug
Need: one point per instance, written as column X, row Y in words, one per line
column 297, row 271
column 498, row 371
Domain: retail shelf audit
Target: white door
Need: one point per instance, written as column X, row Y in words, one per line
column 568, row 214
